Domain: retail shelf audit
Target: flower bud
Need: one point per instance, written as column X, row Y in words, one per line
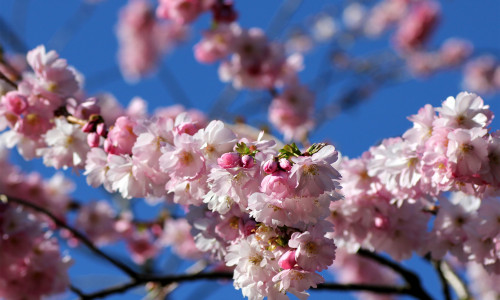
column 247, row 161
column 229, row 160
column 188, row 128
column 287, row 260
column 101, row 129
column 285, row 164
column 93, row 139
column 15, row 102
column 270, row 166
column 89, row 127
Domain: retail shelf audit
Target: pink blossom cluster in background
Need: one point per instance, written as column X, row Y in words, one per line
column 143, row 39
column 31, row 262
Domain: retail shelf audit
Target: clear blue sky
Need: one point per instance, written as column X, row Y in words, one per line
column 93, row 50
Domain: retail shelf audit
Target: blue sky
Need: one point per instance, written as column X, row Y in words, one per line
column 92, row 50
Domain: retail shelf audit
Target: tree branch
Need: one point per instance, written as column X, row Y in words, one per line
column 455, row 281
column 6, row 79
column 444, row 284
column 163, row 280
column 411, row 278
column 413, row 288
column 80, row 236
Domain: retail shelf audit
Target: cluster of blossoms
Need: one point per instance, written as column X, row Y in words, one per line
column 143, row 39
column 145, row 35
column 257, row 209
column 250, row 60
column 31, row 262
column 265, row 216
column 103, row 225
column 392, row 191
column 482, row 74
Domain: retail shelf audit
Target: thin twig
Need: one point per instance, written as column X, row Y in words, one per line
column 280, row 20
column 173, row 86
column 61, row 38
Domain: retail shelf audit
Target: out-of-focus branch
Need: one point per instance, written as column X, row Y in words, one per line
column 173, row 86
column 444, row 284
column 410, row 277
column 6, row 79
column 283, row 15
column 11, row 37
column 77, row 234
column 455, row 281
column 68, row 30
column 163, row 280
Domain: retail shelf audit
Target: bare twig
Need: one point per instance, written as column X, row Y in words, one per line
column 68, row 30
column 173, row 86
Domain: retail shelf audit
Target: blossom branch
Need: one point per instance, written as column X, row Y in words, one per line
column 82, row 238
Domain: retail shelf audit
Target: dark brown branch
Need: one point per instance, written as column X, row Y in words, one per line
column 411, row 278
column 162, row 280
column 6, row 79
column 378, row 289
column 165, row 280
column 80, row 236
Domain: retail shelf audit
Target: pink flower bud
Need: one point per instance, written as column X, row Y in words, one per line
column 285, row 164
column 101, row 129
column 247, row 161
column 89, row 127
column 287, row 260
column 270, row 166
column 229, row 160
column 15, row 102
column 93, row 139
column 188, row 128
